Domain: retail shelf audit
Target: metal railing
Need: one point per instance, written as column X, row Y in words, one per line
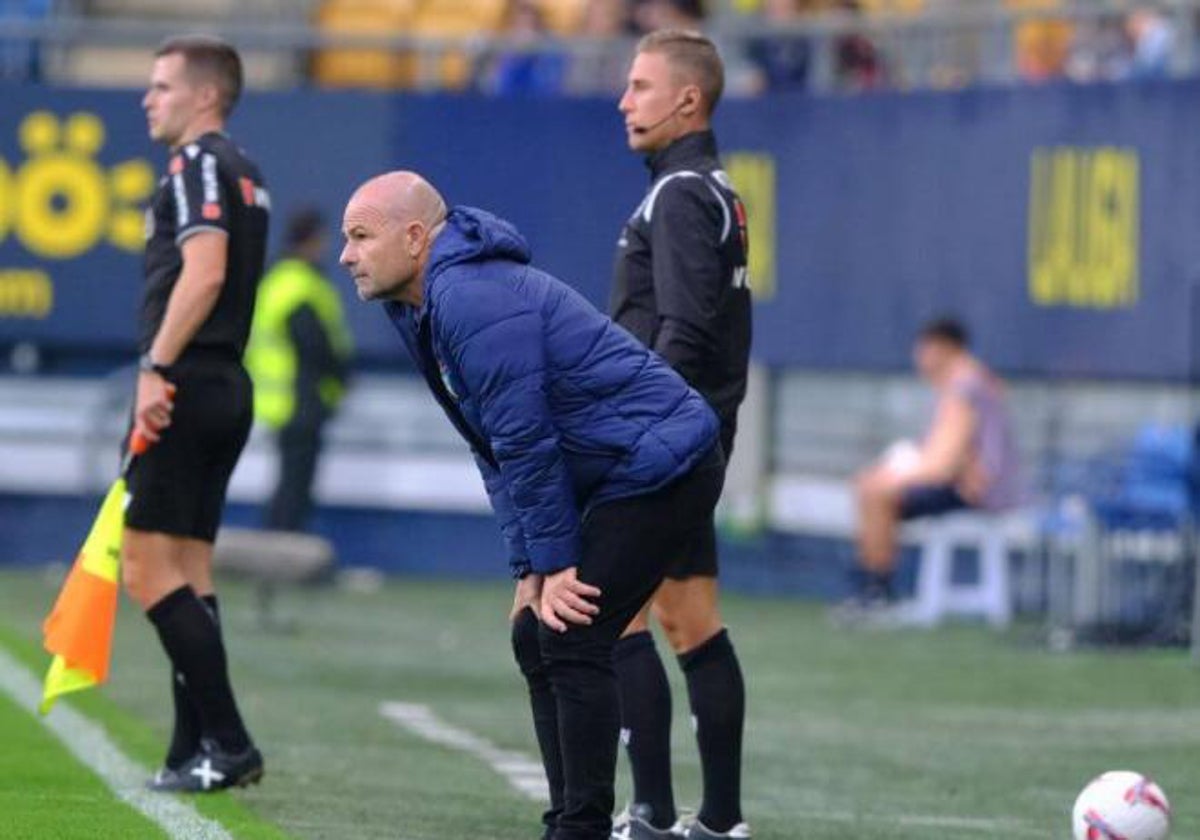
column 960, row 44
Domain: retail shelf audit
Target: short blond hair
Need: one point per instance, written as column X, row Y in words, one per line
column 692, row 54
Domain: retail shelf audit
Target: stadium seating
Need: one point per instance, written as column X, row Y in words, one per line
column 563, row 16
column 365, row 68
column 383, row 69
column 102, row 64
column 455, row 69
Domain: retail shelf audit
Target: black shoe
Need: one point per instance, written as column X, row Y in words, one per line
column 634, row 824
column 211, row 769
column 165, row 780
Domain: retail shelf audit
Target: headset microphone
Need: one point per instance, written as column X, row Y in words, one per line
column 646, row 129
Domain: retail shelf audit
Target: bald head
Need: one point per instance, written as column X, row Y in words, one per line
column 402, row 196
column 390, row 224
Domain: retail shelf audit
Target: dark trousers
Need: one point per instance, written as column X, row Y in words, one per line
column 627, row 545
column 299, row 444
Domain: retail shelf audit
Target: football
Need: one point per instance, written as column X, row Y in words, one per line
column 1122, row 805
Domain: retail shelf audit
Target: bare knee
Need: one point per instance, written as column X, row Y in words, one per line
column 139, row 581
column 872, row 487
column 687, row 625
column 148, row 570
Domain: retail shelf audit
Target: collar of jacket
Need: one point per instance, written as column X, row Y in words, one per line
column 683, row 152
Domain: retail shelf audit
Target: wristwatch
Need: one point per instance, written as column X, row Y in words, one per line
column 147, row 364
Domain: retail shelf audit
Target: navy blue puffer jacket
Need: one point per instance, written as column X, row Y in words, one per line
column 562, row 408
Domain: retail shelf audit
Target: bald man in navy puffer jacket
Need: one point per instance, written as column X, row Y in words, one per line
column 601, row 463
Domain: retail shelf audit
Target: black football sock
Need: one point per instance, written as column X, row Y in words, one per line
column 185, row 737
column 190, row 636
column 646, row 723
column 880, row 586
column 718, row 699
column 856, row 580
column 527, row 651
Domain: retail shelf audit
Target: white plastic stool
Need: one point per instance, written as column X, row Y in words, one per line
column 938, row 596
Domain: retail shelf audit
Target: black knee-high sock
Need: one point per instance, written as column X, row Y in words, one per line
column 528, row 653
column 646, row 723
column 185, row 737
column 718, row 699
column 192, row 640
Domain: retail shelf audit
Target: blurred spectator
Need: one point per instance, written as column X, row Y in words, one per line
column 598, row 67
column 781, row 61
column 533, row 71
column 606, row 19
column 298, row 356
column 1043, row 43
column 649, row 15
column 20, row 61
column 857, row 64
column 1101, row 51
column 968, row 459
column 1152, row 39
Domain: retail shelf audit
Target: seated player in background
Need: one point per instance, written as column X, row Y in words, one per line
column 968, row 458
column 602, row 465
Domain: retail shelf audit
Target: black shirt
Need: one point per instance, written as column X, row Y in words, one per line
column 210, row 185
column 681, row 285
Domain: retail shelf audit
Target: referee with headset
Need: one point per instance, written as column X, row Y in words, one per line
column 681, row 289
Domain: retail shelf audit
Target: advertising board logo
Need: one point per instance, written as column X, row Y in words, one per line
column 1084, row 227
column 60, row 202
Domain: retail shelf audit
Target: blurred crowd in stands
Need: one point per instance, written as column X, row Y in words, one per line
column 771, row 44
column 552, row 47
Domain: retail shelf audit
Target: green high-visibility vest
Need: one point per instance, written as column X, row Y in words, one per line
column 271, row 358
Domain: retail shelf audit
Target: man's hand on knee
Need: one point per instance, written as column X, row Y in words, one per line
column 528, row 595
column 565, row 599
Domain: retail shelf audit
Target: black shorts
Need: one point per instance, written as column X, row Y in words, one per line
column 698, row 558
column 628, row 544
column 931, row 500
column 178, row 486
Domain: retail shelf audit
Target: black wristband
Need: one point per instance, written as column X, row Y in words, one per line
column 147, row 364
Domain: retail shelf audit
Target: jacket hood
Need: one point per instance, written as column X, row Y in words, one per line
column 474, row 235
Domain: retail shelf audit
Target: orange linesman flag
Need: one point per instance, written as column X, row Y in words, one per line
column 79, row 629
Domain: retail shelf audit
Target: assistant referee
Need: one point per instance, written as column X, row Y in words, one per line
column 681, row 288
column 206, row 239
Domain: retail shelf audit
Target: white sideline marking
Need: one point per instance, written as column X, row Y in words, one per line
column 520, row 770
column 526, row 775
column 89, row 743
column 1010, row 827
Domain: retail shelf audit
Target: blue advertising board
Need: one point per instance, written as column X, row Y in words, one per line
column 1059, row 222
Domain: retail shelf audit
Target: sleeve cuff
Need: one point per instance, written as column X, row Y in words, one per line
column 554, row 555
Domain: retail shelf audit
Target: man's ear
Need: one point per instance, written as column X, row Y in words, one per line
column 210, row 95
column 415, row 234
column 691, row 101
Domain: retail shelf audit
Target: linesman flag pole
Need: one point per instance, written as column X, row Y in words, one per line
column 79, row 629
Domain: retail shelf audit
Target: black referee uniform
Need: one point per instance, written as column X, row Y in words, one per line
column 178, row 486
column 681, row 284
column 681, row 288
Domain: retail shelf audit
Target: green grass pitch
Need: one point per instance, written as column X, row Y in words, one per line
column 954, row 734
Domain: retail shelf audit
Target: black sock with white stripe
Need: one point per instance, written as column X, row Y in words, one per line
column 185, row 735
column 646, row 724
column 192, row 639
column 718, row 698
